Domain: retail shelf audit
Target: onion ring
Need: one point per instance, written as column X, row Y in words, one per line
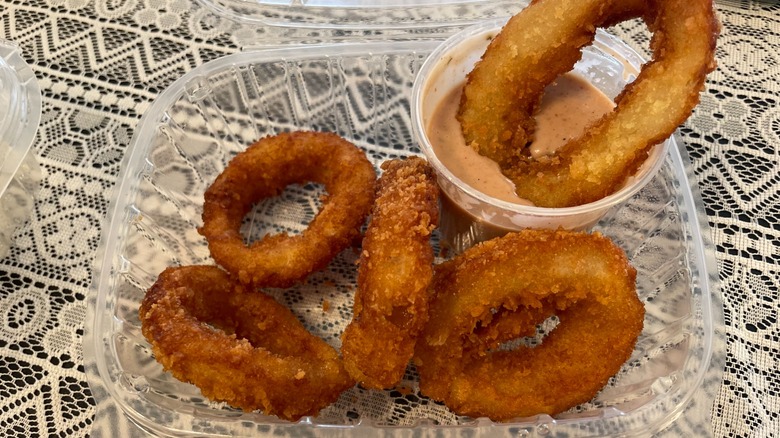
column 543, row 41
column 516, row 281
column 238, row 346
column 263, row 170
column 395, row 270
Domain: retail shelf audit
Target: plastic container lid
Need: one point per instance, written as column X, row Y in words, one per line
column 20, row 99
column 356, row 17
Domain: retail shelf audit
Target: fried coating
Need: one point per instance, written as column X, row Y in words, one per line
column 263, row 170
column 512, row 283
column 543, row 41
column 395, row 270
column 238, row 346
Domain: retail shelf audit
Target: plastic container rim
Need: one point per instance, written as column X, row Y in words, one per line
column 349, row 5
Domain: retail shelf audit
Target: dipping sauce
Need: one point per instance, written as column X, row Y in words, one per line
column 569, row 105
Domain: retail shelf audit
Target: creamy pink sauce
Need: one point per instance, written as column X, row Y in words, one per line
column 568, row 106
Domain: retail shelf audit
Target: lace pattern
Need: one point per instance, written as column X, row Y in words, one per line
column 100, row 64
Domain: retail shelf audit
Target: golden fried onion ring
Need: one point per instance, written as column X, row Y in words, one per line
column 501, row 289
column 237, row 346
column 395, row 270
column 543, row 41
column 263, row 170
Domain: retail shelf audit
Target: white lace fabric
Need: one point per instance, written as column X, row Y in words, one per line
column 100, row 64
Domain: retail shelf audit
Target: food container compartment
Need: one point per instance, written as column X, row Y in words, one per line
column 361, row 91
column 20, row 114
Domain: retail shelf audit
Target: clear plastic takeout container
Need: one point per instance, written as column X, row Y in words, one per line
column 362, row 92
column 20, row 114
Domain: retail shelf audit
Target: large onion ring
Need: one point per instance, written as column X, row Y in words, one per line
column 263, row 170
column 396, row 267
column 513, row 283
column 543, row 41
column 238, row 346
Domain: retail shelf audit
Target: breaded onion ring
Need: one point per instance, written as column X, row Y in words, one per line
column 263, row 170
column 396, row 267
column 512, row 283
column 503, row 92
column 239, row 347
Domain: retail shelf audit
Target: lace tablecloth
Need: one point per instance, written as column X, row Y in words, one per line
column 100, row 63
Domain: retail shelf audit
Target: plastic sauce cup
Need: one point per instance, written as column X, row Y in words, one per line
column 470, row 216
